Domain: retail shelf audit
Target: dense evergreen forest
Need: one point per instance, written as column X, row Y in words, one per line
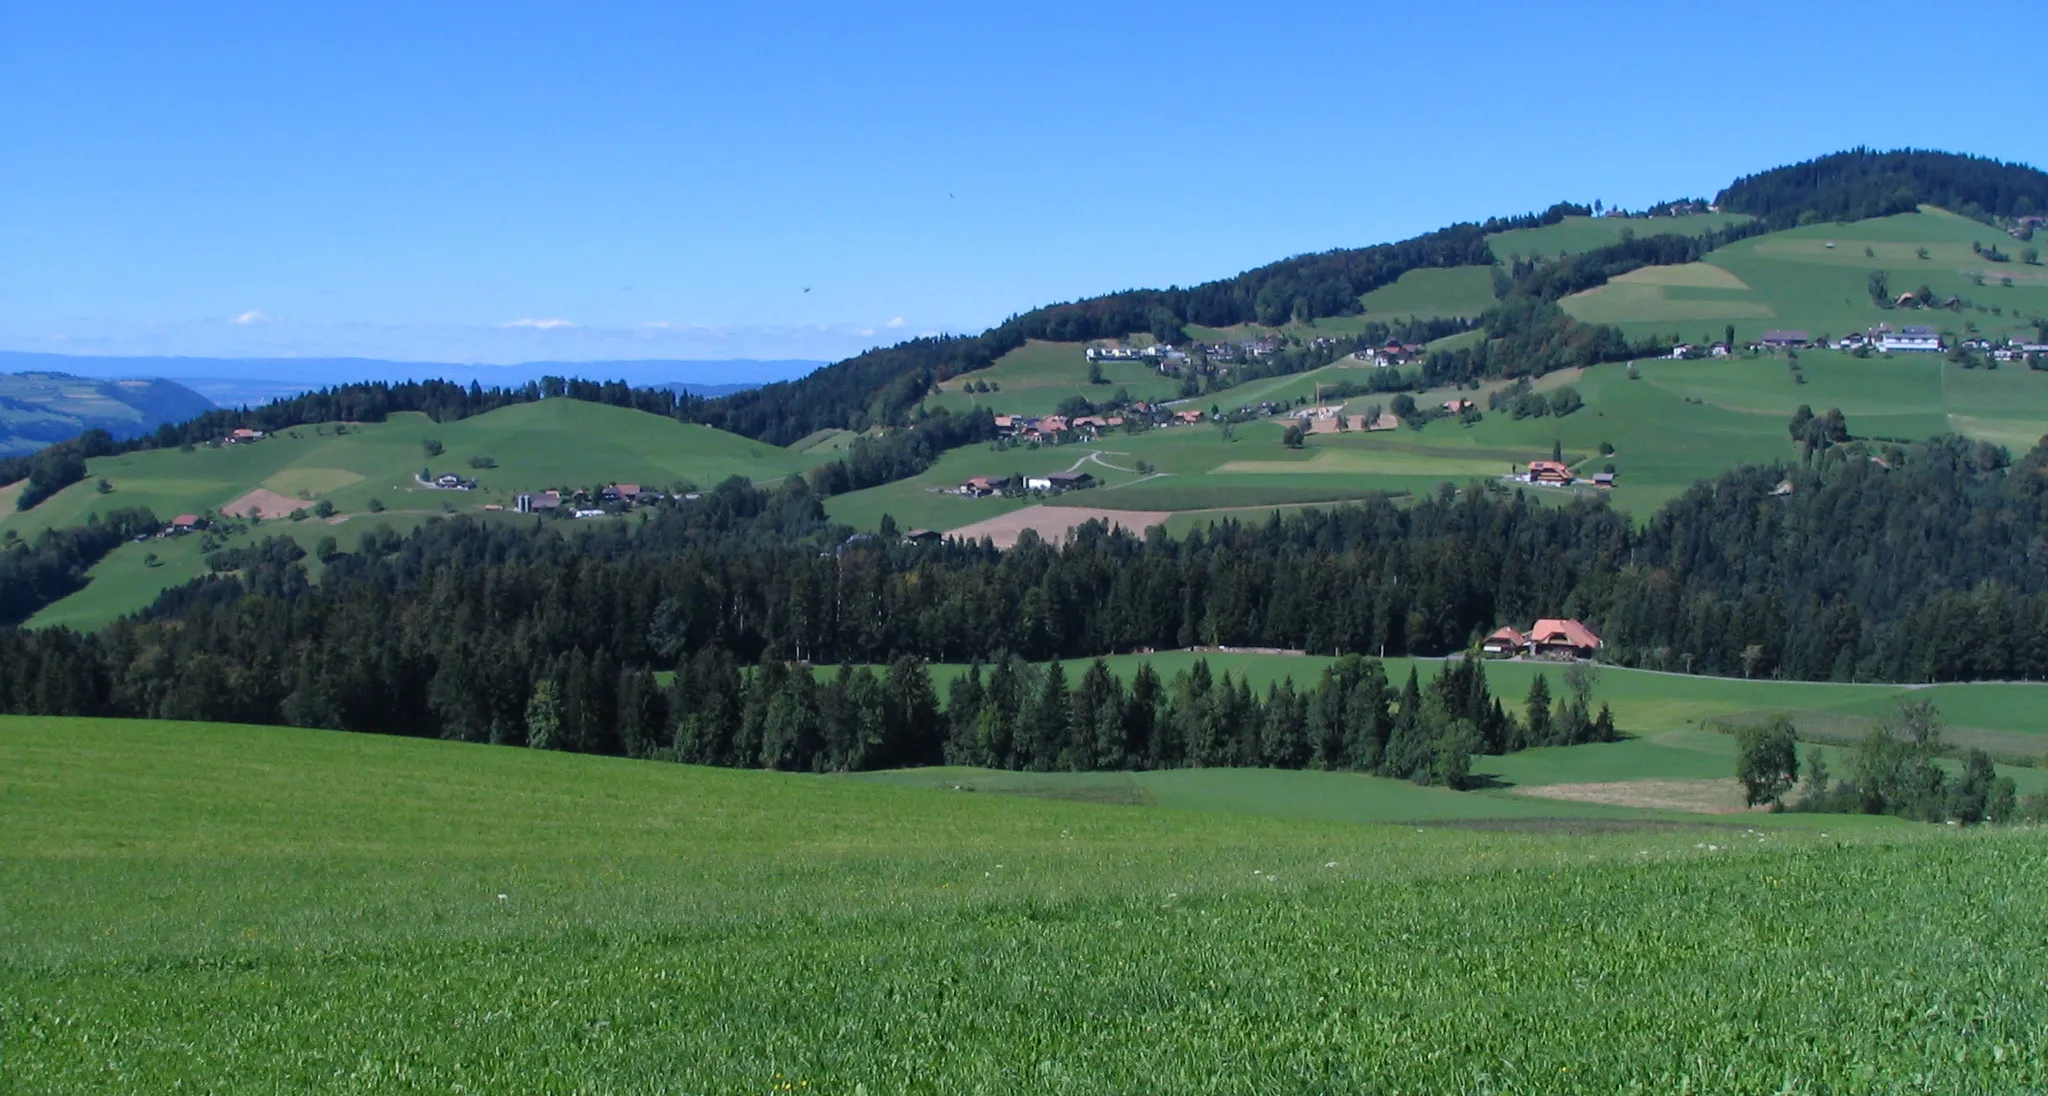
column 1861, row 183
column 1929, row 570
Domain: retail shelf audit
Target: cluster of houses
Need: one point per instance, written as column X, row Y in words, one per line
column 1547, row 638
column 1329, row 419
column 980, row 487
column 1912, row 338
column 1555, row 473
column 551, row 501
column 1048, row 427
column 1393, row 352
column 1156, row 353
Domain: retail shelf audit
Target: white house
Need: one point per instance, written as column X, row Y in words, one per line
column 1917, row 338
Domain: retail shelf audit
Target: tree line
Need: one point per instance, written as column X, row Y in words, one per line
column 1894, row 769
column 1837, row 569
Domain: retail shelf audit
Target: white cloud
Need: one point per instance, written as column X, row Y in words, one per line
column 866, row 332
column 249, row 319
column 541, row 325
column 897, row 322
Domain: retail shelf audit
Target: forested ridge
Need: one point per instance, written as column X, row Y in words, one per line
column 1862, row 183
column 1931, row 570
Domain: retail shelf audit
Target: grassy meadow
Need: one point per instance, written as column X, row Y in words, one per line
column 235, row 909
column 1575, row 234
column 1816, row 278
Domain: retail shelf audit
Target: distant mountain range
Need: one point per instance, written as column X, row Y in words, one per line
column 43, row 407
column 231, row 382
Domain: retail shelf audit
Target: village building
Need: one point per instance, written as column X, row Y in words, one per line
column 1913, row 338
column 979, row 487
column 1554, row 638
column 1506, row 641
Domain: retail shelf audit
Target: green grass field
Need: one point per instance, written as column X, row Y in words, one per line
column 1035, row 377
column 548, row 444
column 1815, row 278
column 1454, row 291
column 1575, row 234
column 228, row 909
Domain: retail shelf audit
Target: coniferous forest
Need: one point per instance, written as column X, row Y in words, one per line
column 1929, row 571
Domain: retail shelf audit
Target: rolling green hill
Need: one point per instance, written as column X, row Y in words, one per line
column 553, row 443
column 232, row 908
column 37, row 409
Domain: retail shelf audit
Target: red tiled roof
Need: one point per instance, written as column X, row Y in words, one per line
column 1569, row 633
column 1509, row 634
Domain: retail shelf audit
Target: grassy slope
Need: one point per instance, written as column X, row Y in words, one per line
column 1792, row 279
column 1035, row 377
column 237, row 909
column 1457, row 291
column 554, row 443
column 1576, row 234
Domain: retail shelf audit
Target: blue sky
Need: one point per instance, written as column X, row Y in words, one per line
column 502, row 182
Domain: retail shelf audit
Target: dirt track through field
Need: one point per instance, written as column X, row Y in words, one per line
column 1054, row 523
column 1693, row 796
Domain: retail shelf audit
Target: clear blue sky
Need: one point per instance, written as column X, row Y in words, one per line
column 497, row 182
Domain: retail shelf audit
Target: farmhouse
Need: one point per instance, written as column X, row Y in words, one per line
column 1914, row 338
column 1603, row 479
column 1551, row 472
column 1070, row 481
column 1552, row 638
column 1506, row 641
column 1458, row 407
column 1790, row 339
column 183, row 523
column 922, row 536
column 979, row 487
column 242, row 434
column 620, row 492
column 534, row 503
column 1188, row 417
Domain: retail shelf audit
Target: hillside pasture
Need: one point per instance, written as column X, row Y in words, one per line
column 1459, row 291
column 1576, row 234
column 1035, row 377
column 562, row 442
column 227, row 908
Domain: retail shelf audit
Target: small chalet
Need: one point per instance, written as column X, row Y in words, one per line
column 1603, row 479
column 1458, row 407
column 922, row 536
column 1189, row 417
column 1551, row 638
column 1550, row 472
column 183, row 523
column 448, row 480
column 1070, row 481
column 1507, row 641
column 243, row 433
column 983, row 486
